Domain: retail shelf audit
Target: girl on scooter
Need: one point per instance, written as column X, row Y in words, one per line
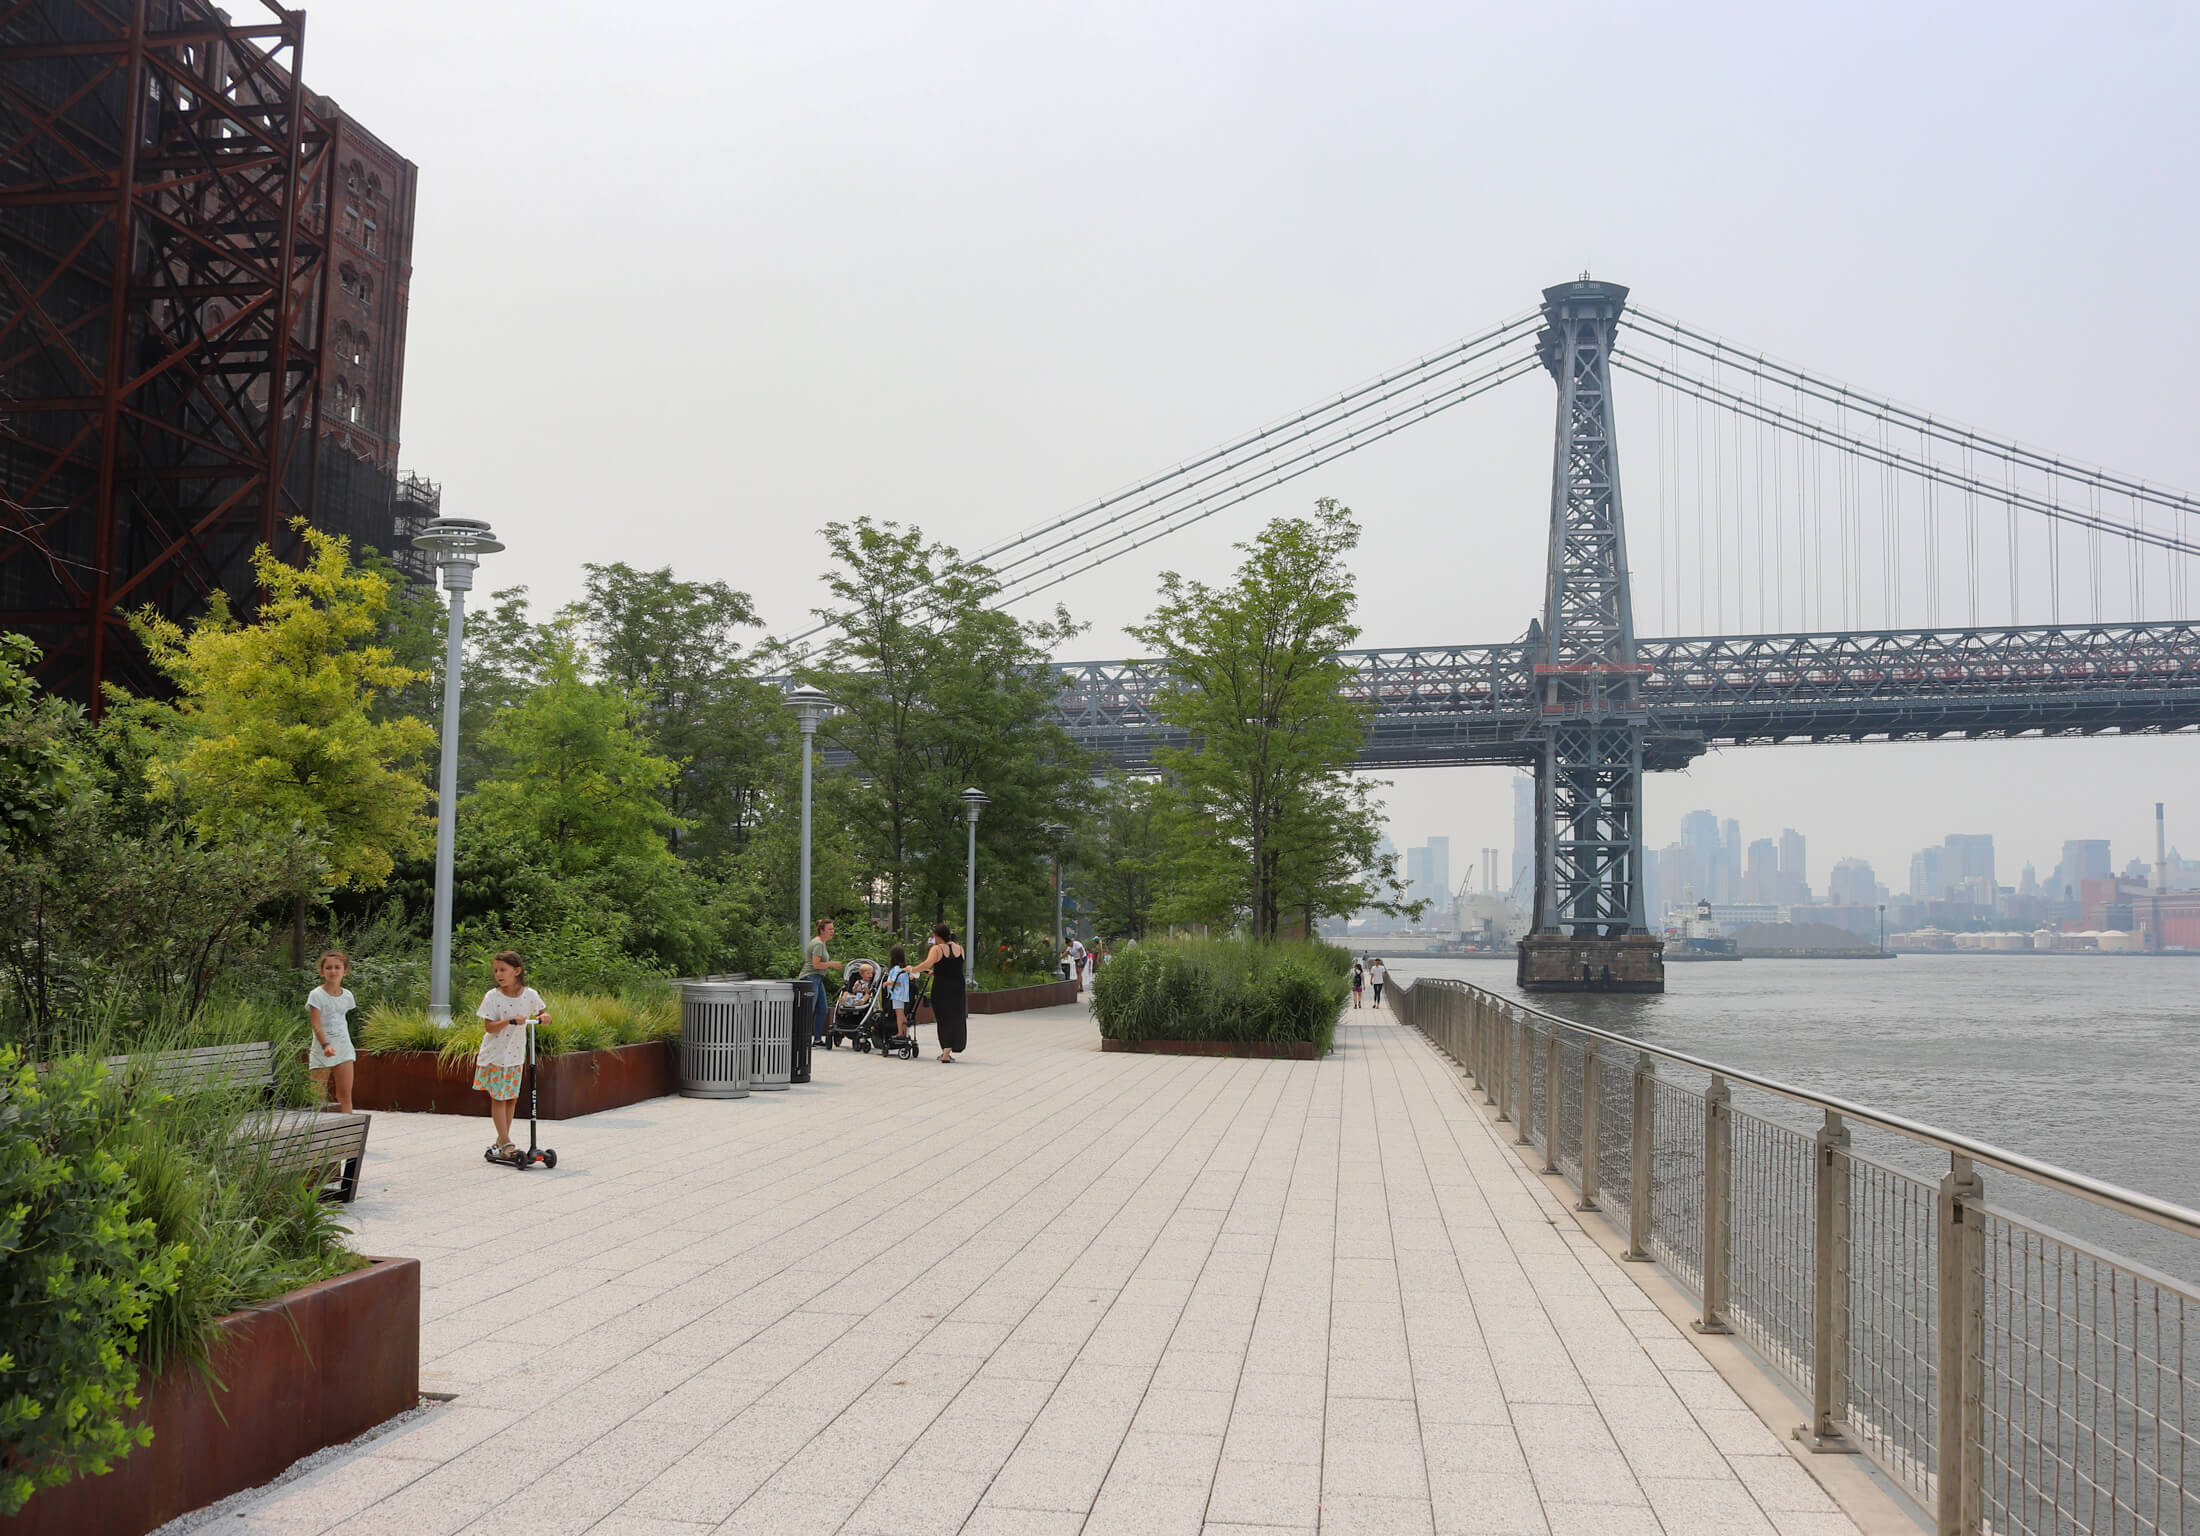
column 505, row 1011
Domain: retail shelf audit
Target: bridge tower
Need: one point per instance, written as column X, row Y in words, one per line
column 1590, row 932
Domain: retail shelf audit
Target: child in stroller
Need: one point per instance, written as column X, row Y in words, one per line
column 856, row 1007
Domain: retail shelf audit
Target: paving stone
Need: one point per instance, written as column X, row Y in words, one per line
column 1060, row 1291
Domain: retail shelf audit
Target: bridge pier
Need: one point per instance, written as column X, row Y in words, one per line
column 1559, row 962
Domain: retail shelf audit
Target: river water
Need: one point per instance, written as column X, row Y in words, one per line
column 2092, row 1062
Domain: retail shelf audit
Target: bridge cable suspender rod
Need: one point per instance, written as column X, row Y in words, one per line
column 1223, row 464
column 1886, row 456
column 1268, row 478
column 1786, row 375
column 1063, row 533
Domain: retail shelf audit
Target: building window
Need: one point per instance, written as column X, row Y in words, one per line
column 371, row 241
column 349, row 277
column 366, row 290
column 358, row 404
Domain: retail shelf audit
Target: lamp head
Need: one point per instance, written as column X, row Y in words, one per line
column 974, row 801
column 809, row 705
column 456, row 544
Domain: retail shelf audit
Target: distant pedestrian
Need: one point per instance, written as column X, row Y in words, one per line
column 328, row 1011
column 1359, row 980
column 897, row 987
column 1377, row 975
column 950, row 1004
column 505, row 1012
column 1092, row 967
column 816, row 962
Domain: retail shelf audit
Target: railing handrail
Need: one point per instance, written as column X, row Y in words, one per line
column 2132, row 1202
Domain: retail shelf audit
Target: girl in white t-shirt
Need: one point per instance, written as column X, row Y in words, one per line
column 504, row 1012
column 328, row 1010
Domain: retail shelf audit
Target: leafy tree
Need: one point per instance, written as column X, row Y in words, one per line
column 275, row 725
column 1122, row 863
column 78, row 1279
column 1266, row 815
column 38, row 772
column 670, row 647
column 938, row 691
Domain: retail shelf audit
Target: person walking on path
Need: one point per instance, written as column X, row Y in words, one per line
column 505, row 1011
column 950, row 1005
column 1359, row 981
column 1092, row 967
column 1377, row 976
column 328, row 1010
column 816, row 962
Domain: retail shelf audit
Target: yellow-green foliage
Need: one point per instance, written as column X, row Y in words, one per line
column 579, row 1021
column 274, row 722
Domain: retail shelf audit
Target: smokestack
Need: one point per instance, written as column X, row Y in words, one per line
column 2161, row 852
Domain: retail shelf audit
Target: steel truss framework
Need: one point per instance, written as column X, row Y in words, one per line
column 1480, row 704
column 163, row 273
column 1589, row 781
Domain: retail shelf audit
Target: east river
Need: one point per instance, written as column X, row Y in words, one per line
column 2092, row 1062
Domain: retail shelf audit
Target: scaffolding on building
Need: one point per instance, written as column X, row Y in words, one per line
column 164, row 208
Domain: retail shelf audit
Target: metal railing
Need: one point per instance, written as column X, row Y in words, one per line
column 2011, row 1377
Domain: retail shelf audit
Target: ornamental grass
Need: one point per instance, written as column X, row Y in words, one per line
column 1269, row 993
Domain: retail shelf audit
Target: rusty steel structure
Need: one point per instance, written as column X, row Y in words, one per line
column 164, row 271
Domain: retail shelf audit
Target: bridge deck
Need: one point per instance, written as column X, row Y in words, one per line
column 1047, row 1290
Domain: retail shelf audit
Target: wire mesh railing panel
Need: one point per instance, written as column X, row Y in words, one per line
column 1774, row 1243
column 1570, row 1062
column 1538, row 1108
column 2088, row 1389
column 1616, row 1141
column 1893, row 1291
column 1676, row 1183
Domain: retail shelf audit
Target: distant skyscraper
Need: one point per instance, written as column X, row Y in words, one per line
column 1439, row 869
column 1417, row 875
column 1524, row 830
column 1761, row 880
column 1852, row 884
column 1929, row 875
column 1794, row 877
column 1968, row 856
column 2083, row 859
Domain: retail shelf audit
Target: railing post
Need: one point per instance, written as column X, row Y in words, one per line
column 1718, row 1196
column 1524, row 1091
column 1640, row 1183
column 1960, row 1350
column 1501, row 1046
column 1554, row 1102
column 1592, row 1107
column 1829, row 1296
column 1485, row 1031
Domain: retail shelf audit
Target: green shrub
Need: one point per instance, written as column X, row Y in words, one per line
column 1222, row 989
column 80, row 1272
column 579, row 1021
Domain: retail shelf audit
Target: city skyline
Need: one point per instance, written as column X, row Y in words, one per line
column 2000, row 857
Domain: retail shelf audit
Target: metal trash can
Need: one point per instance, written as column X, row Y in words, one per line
column 771, row 1034
column 805, row 1004
column 717, row 1024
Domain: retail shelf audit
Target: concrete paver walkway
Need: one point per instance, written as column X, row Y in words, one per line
column 1041, row 1290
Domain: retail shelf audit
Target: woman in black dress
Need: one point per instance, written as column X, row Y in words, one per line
column 950, row 1005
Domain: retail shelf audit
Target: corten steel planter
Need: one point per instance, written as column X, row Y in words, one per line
column 1047, row 994
column 311, row 1369
column 1260, row 1050
column 572, row 1084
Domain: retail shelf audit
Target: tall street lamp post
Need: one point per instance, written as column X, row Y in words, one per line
column 1055, row 833
column 456, row 544
column 974, row 801
column 808, row 705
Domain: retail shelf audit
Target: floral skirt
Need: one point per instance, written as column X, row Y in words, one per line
column 497, row 1082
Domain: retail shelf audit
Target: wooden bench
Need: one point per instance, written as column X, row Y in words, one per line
column 329, row 1147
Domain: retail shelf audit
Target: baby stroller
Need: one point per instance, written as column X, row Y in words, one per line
column 856, row 1010
column 882, row 1023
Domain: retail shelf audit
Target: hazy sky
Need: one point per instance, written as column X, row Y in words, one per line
column 691, row 281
